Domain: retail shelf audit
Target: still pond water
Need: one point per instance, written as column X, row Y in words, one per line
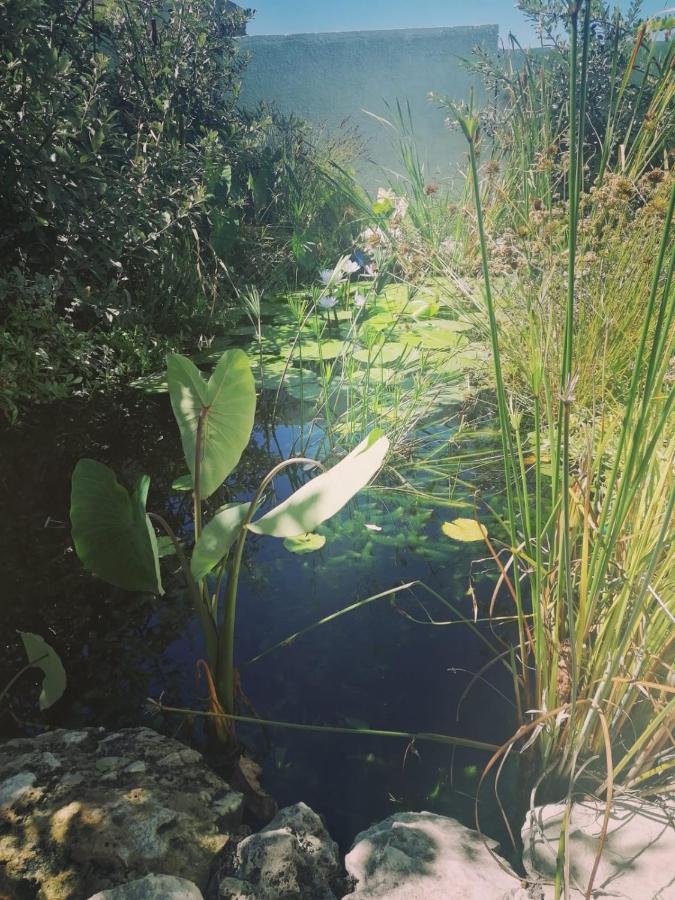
column 384, row 666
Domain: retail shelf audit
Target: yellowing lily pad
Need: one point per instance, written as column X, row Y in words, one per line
column 465, row 530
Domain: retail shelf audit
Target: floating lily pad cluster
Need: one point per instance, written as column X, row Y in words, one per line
column 365, row 355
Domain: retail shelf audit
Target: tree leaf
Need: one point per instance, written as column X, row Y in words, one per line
column 113, row 536
column 465, row 530
column 228, row 406
column 216, row 538
column 326, row 494
column 304, row 543
column 44, row 657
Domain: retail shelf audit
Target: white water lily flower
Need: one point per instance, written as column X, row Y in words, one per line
column 351, row 266
column 359, row 300
column 326, row 275
column 327, row 302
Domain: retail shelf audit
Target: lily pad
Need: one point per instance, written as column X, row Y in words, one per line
column 380, row 355
column 329, row 349
column 464, row 530
column 423, row 308
column 304, row 543
column 434, row 335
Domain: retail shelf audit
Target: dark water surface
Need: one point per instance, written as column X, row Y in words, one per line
column 374, row 667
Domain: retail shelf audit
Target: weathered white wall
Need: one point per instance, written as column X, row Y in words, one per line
column 332, row 78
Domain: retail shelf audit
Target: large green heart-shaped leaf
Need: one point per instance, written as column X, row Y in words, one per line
column 226, row 405
column 113, row 536
column 216, row 539
column 44, row 657
column 326, row 494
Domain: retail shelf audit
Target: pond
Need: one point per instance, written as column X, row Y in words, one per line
column 389, row 664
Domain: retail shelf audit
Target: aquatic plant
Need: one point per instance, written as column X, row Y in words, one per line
column 588, row 558
column 40, row 656
column 115, row 539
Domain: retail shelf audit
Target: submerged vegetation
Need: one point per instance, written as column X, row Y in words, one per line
column 513, row 338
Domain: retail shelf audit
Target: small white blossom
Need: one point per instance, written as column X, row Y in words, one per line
column 359, row 300
column 351, row 266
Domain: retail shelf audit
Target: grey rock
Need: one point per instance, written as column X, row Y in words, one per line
column 14, row 788
column 113, row 811
column 423, row 856
column 638, row 859
column 153, row 887
column 234, row 889
column 292, row 858
column 74, row 737
column 52, row 761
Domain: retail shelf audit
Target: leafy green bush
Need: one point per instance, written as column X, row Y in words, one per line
column 130, row 180
column 44, row 355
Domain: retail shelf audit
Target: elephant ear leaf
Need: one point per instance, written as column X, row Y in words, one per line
column 42, row 656
column 226, row 407
column 217, row 538
column 326, row 494
column 112, row 533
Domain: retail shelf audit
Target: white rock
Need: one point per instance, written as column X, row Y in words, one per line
column 423, row 856
column 293, row 857
column 638, row 859
column 152, row 887
column 112, row 812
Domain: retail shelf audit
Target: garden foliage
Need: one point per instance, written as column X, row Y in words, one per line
column 137, row 198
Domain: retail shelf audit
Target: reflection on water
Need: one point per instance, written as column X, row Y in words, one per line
column 386, row 665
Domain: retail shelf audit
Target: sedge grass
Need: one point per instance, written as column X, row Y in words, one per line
column 594, row 665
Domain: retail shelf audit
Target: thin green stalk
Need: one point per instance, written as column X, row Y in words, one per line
column 225, row 652
column 208, row 623
column 505, row 430
column 603, row 548
column 429, row 736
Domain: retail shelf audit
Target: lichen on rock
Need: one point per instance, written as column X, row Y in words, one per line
column 85, row 811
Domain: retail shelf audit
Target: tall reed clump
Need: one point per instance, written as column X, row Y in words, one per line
column 589, row 558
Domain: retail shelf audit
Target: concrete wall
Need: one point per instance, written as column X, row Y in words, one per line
column 330, row 78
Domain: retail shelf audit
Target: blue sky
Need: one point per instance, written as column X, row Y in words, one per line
column 292, row 16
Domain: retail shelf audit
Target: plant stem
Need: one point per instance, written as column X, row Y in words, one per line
column 334, row 729
column 225, row 652
column 206, row 619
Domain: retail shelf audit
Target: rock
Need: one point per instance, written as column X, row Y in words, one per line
column 422, row 856
column 117, row 807
column 246, row 779
column 14, row 788
column 292, row 858
column 153, row 887
column 638, row 859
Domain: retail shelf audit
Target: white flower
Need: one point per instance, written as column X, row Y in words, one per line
column 351, row 266
column 327, row 302
column 359, row 300
column 326, row 275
